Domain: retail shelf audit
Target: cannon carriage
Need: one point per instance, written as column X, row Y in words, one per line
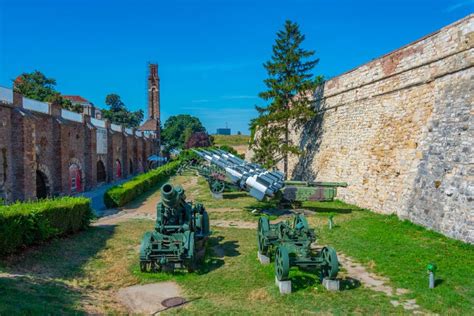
column 181, row 231
column 290, row 245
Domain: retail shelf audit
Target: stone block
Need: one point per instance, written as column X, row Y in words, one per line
column 283, row 286
column 331, row 285
column 263, row 259
column 217, row 196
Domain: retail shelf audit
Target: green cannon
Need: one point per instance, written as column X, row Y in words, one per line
column 180, row 234
column 301, row 191
column 290, row 245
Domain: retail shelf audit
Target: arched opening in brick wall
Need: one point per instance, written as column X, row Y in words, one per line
column 42, row 185
column 118, row 169
column 130, row 167
column 75, row 178
column 101, row 173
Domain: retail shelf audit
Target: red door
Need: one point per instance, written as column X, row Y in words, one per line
column 119, row 168
column 75, row 183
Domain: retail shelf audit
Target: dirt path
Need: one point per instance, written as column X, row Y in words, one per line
column 377, row 283
column 141, row 208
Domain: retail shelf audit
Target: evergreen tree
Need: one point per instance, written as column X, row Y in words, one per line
column 290, row 84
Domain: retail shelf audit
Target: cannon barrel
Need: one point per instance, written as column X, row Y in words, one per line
column 170, row 195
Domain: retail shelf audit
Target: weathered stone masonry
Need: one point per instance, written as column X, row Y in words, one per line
column 48, row 151
column 400, row 131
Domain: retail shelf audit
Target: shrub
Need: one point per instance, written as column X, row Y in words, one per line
column 27, row 223
column 120, row 195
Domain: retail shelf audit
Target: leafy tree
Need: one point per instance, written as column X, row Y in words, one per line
column 178, row 129
column 198, row 139
column 37, row 86
column 288, row 95
column 118, row 113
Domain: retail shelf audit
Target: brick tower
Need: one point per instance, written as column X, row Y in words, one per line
column 154, row 93
column 152, row 124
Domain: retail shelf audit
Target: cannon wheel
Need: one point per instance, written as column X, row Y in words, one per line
column 282, row 263
column 330, row 266
column 217, row 186
column 146, row 266
column 300, row 220
column 263, row 229
column 143, row 266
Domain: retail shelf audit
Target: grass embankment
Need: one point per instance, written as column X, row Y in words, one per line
column 82, row 273
column 239, row 142
column 231, row 140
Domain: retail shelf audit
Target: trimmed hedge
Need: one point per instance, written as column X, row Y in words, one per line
column 23, row 224
column 120, row 195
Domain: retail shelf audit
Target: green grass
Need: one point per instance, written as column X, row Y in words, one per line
column 82, row 273
column 233, row 281
column 231, row 140
column 401, row 251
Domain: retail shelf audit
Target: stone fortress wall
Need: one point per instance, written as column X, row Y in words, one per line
column 400, row 131
column 45, row 150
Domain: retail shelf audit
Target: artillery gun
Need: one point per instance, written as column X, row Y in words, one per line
column 290, row 245
column 180, row 234
column 224, row 169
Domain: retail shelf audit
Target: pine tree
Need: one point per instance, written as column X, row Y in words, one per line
column 290, row 84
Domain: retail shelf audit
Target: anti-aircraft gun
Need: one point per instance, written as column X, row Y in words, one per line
column 181, row 230
column 224, row 169
column 289, row 243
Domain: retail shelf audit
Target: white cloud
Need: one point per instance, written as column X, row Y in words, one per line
column 238, row 97
column 459, row 4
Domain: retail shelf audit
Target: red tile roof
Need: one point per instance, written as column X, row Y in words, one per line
column 75, row 98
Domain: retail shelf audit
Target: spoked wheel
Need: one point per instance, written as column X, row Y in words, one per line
column 263, row 228
column 217, row 186
column 330, row 266
column 282, row 263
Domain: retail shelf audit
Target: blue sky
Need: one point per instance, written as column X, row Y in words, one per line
column 210, row 53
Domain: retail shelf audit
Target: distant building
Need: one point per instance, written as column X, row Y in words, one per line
column 89, row 108
column 223, row 131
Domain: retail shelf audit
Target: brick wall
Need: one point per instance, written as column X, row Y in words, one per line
column 36, row 145
column 399, row 130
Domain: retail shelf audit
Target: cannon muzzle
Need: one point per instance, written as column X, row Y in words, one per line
column 170, row 195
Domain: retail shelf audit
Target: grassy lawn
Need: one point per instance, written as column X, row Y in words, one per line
column 231, row 140
column 82, row 273
column 401, row 251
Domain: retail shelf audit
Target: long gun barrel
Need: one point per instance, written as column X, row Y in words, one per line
column 250, row 176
